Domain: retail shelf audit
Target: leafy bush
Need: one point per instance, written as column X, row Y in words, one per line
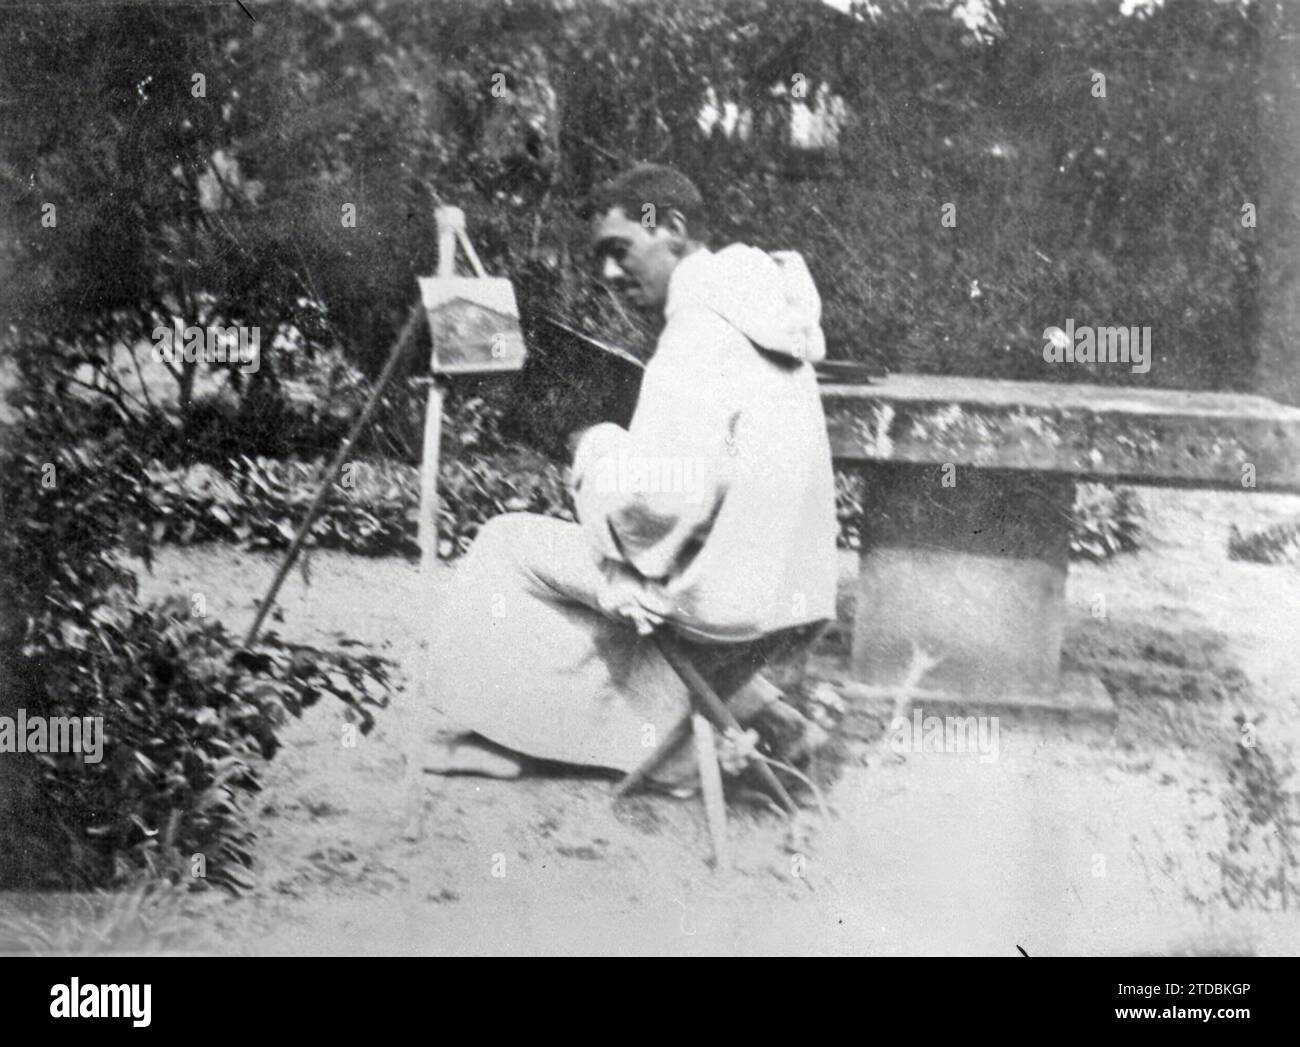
column 186, row 710
column 849, row 490
column 1275, row 544
column 1106, row 521
column 475, row 490
column 259, row 503
column 188, row 714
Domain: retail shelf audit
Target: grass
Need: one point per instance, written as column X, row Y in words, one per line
column 145, row 919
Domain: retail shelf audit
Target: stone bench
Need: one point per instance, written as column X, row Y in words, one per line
column 969, row 487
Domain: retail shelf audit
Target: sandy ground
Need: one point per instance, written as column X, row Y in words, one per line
column 1158, row 833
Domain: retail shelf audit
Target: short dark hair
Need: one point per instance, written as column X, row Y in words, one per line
column 658, row 184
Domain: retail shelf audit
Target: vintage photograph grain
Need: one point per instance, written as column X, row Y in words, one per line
column 649, row 477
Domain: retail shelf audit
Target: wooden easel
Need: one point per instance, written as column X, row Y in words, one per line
column 451, row 233
column 451, row 230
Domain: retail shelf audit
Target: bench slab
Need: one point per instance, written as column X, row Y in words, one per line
column 968, row 492
column 1089, row 432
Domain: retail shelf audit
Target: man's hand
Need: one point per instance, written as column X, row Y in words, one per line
column 624, row 596
column 644, row 621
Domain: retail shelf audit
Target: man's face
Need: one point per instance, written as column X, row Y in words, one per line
column 636, row 261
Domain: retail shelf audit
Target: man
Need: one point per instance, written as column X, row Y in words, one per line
column 712, row 515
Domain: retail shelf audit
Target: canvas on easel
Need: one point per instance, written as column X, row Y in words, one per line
column 474, row 324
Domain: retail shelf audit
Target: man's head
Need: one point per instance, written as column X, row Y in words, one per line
column 643, row 222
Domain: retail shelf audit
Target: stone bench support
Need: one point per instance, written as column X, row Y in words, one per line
column 969, row 487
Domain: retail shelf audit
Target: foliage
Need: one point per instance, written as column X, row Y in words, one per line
column 1124, row 209
column 189, row 715
column 187, row 711
column 1275, row 544
column 1262, row 819
column 259, row 503
column 475, row 490
column 1106, row 521
column 147, row 918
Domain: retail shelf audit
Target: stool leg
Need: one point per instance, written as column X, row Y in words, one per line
column 715, row 806
column 708, row 703
column 663, row 750
column 753, row 705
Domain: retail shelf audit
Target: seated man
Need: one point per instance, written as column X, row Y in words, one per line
column 712, row 515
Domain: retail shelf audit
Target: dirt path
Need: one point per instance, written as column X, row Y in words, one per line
column 1159, row 835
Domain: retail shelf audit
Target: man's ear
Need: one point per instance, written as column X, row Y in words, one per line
column 677, row 228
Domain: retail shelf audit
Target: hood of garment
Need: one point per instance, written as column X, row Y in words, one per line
column 769, row 298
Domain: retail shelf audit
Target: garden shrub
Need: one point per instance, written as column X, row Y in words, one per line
column 1278, row 543
column 259, row 503
column 188, row 716
column 187, row 712
column 1106, row 521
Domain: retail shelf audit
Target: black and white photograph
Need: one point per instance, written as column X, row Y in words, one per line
column 565, row 478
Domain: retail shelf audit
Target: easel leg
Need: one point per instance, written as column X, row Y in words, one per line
column 412, row 776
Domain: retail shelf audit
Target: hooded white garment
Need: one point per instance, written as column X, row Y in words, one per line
column 715, row 509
